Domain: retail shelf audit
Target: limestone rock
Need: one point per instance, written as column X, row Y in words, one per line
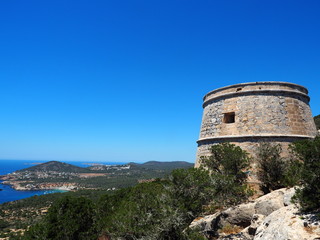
column 205, row 224
column 270, row 217
column 256, row 221
column 288, row 194
column 248, row 216
column 270, row 202
column 239, row 236
column 285, row 224
column 240, row 215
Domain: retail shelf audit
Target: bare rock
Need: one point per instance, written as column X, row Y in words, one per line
column 239, row 236
column 256, row 221
column 287, row 196
column 286, row 223
column 250, row 217
column 206, row 224
column 270, row 202
column 240, row 215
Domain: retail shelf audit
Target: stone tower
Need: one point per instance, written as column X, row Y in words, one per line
column 247, row 113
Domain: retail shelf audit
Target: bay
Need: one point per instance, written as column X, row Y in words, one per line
column 8, row 194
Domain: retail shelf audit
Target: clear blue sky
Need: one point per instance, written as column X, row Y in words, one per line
column 124, row 80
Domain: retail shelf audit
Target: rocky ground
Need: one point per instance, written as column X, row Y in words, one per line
column 270, row 217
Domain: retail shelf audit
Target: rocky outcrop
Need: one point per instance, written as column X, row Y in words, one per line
column 269, row 217
column 287, row 223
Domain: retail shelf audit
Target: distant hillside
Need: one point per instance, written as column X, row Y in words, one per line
column 163, row 165
column 317, row 121
column 65, row 167
column 55, row 166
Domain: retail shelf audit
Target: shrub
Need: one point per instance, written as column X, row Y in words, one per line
column 230, row 229
column 227, row 159
column 317, row 121
column 228, row 192
column 293, row 173
column 308, row 151
column 156, row 210
column 146, row 211
column 192, row 188
column 69, row 218
column 3, row 224
column 227, row 165
column 272, row 167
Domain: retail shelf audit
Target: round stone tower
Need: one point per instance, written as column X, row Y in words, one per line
column 248, row 113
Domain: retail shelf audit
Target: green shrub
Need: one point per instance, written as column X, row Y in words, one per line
column 317, row 121
column 308, row 151
column 228, row 192
column 156, row 210
column 227, row 165
column 69, row 218
column 293, row 173
column 227, row 159
column 137, row 212
column 3, row 224
column 193, row 234
column 271, row 166
column 192, row 188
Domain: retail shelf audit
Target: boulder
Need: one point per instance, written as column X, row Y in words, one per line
column 240, row 215
column 286, row 223
column 270, row 202
column 207, row 224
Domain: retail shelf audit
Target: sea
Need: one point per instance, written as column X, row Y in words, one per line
column 7, row 193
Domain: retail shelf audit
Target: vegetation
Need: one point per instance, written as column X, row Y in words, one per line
column 317, row 121
column 192, row 189
column 293, row 172
column 151, row 210
column 161, row 209
column 228, row 165
column 54, row 166
column 229, row 160
column 301, row 170
column 272, row 167
column 25, row 212
column 93, row 177
column 164, row 208
column 69, row 218
column 308, row 152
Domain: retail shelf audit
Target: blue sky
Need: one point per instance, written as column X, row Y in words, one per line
column 124, row 80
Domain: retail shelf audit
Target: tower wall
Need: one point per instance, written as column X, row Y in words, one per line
column 248, row 113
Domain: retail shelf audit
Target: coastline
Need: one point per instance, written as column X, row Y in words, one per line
column 16, row 185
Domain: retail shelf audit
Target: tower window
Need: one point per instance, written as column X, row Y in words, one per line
column 229, row 117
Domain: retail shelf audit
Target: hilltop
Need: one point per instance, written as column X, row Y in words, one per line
column 54, row 166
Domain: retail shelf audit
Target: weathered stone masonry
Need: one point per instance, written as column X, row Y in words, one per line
column 247, row 113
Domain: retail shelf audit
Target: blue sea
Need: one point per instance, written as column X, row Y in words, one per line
column 8, row 166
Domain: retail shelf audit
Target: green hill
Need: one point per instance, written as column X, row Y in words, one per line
column 55, row 166
column 317, row 121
